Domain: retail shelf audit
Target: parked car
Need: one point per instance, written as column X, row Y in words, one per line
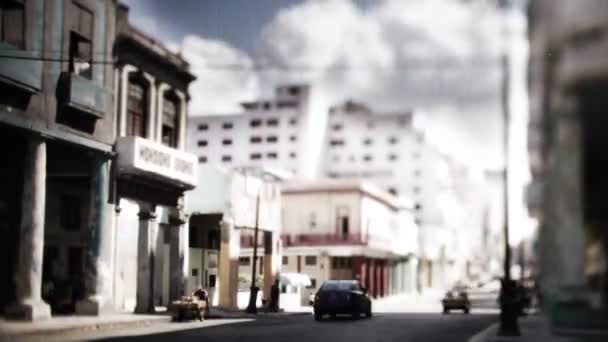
column 342, row 297
column 456, row 300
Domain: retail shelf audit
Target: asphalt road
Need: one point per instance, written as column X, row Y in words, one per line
column 403, row 327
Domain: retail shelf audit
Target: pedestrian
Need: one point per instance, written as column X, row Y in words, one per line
column 274, row 296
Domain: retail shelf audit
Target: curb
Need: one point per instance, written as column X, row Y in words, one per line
column 86, row 327
column 483, row 335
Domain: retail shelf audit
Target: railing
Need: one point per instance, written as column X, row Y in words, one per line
column 142, row 157
column 322, row 239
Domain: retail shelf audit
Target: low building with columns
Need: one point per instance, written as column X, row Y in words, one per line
column 56, row 137
column 225, row 207
column 152, row 172
column 349, row 229
column 568, row 80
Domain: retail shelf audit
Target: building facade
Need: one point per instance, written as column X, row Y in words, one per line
column 225, row 213
column 336, row 229
column 567, row 80
column 277, row 133
column 152, row 170
column 57, row 129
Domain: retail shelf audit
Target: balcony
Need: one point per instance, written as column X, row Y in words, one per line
column 23, row 71
column 82, row 95
column 320, row 240
column 147, row 159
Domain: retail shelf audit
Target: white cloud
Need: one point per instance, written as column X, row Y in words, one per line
column 217, row 90
column 439, row 57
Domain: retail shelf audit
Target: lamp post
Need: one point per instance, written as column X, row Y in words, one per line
column 253, row 295
column 508, row 306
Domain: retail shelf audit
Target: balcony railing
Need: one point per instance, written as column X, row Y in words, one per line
column 322, row 239
column 141, row 157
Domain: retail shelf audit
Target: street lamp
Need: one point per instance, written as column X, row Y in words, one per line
column 253, row 295
column 508, row 306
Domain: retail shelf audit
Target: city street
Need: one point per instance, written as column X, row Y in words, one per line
column 398, row 318
column 382, row 327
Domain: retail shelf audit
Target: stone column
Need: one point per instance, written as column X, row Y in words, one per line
column 178, row 271
column 154, row 115
column 124, row 90
column 562, row 241
column 28, row 280
column 228, row 265
column 181, row 129
column 160, row 98
column 98, row 257
column 271, row 262
column 146, row 246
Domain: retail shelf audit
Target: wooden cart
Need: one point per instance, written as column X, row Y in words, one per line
column 189, row 307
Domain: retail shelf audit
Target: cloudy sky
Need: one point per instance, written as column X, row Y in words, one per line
column 437, row 57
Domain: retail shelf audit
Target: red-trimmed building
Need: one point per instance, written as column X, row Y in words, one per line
column 341, row 229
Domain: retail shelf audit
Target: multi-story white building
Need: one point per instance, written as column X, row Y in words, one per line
column 278, row 132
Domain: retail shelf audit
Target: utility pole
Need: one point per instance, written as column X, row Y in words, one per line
column 508, row 306
column 253, row 296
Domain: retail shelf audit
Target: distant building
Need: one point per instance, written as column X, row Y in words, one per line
column 335, row 229
column 277, row 132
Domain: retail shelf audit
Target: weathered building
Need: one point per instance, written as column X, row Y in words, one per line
column 568, row 74
column 56, row 131
column 152, row 170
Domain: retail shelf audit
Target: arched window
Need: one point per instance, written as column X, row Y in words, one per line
column 137, row 108
column 170, row 120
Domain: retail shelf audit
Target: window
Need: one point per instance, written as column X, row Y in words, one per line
column 70, row 212
column 285, row 260
column 272, row 139
column 81, row 40
column 203, row 127
column 271, row 155
column 255, row 156
column 244, row 261
column 293, row 91
column 393, row 140
column 202, row 159
column 136, row 109
column 344, row 225
column 272, row 122
column 293, row 121
column 12, row 23
column 170, row 121
column 336, row 142
column 75, row 261
column 194, row 272
column 293, row 138
column 392, row 157
column 255, row 140
column 212, row 280
column 292, row 155
column 341, row 262
column 226, row 159
column 336, row 127
column 266, row 105
column 227, row 125
column 367, row 157
column 227, row 142
column 310, row 260
column 313, row 283
column 255, row 122
column 392, row 191
column 418, row 206
column 367, row 141
column 201, row 143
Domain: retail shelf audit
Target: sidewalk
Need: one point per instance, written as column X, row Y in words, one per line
column 533, row 328
column 73, row 323
column 64, row 324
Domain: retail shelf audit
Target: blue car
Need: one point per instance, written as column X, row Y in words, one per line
column 337, row 297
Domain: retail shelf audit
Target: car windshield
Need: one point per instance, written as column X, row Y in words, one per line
column 340, row 286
